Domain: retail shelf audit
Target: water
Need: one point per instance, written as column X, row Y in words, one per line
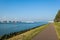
column 8, row 28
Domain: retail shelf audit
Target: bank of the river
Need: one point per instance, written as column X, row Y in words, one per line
column 17, row 27
column 24, row 35
column 29, row 34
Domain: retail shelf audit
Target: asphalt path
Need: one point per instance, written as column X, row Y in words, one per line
column 48, row 34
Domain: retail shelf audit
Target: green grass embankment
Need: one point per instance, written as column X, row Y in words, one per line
column 57, row 27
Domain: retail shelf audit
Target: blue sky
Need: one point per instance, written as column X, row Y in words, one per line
column 28, row 10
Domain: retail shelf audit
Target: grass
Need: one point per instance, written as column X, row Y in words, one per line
column 57, row 27
column 29, row 34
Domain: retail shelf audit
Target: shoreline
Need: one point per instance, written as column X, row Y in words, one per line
column 10, row 35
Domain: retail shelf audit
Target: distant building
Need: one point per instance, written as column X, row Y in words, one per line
column 0, row 22
column 4, row 21
column 13, row 22
column 10, row 21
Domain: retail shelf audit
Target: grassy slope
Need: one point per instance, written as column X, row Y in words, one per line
column 57, row 26
column 28, row 35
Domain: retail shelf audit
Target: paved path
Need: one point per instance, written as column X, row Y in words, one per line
column 48, row 34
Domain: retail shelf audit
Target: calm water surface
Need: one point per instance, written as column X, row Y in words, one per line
column 9, row 28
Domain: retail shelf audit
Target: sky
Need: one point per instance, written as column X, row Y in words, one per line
column 29, row 10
